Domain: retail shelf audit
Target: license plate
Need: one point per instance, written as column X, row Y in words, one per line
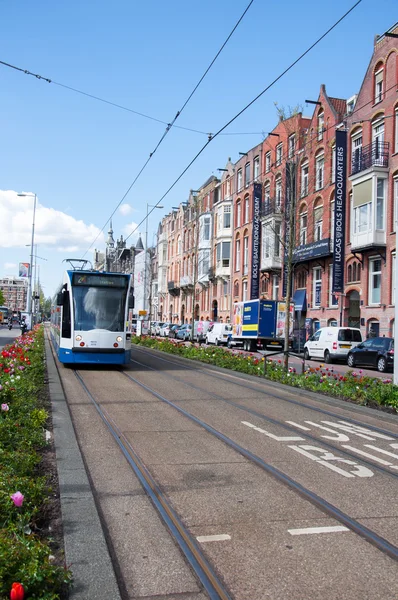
column 345, row 346
column 274, row 344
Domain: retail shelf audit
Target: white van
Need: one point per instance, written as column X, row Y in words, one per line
column 218, row 333
column 332, row 343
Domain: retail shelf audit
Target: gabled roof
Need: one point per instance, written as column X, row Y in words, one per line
column 208, row 181
column 339, row 105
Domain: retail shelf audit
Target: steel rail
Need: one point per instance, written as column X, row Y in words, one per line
column 274, row 421
column 251, row 386
column 326, row 507
column 189, row 547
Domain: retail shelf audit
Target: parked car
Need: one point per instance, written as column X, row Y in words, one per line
column 173, row 331
column 332, row 343
column 218, row 333
column 158, row 327
column 184, row 332
column 165, row 329
column 200, row 329
column 376, row 352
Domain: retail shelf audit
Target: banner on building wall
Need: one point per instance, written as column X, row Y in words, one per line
column 24, row 269
column 339, row 211
column 290, row 196
column 256, row 242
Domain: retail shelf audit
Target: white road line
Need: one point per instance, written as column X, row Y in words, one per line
column 283, row 438
column 380, row 450
column 299, row 426
column 311, row 530
column 362, row 453
column 213, row 538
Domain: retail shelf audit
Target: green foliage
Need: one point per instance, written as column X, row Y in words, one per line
column 352, row 386
column 2, row 299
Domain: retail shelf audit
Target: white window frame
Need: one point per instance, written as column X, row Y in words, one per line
column 362, row 219
column 237, row 255
column 304, row 179
column 268, row 162
column 227, row 217
column 277, row 239
column 256, row 168
column 374, row 300
column 319, row 172
column 266, row 240
column 331, row 235
column 291, row 145
column 278, row 193
column 247, row 209
column 321, row 123
column 279, row 152
column 275, row 287
column 303, row 228
column 316, row 278
column 206, row 229
column 240, row 180
column 333, row 300
column 246, row 255
column 333, row 173
column 238, row 213
column 395, row 201
column 380, row 204
column 379, row 75
column 393, row 277
column 318, row 224
column 244, row 291
column 247, row 174
column 396, row 131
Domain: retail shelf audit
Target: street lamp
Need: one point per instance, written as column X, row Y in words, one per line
column 31, row 255
column 146, row 247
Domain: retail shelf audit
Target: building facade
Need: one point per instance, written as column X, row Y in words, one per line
column 15, row 291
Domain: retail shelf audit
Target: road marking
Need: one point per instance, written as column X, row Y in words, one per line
column 311, row 530
column 299, row 426
column 362, row 453
column 380, row 450
column 213, row 538
column 285, row 438
column 341, row 437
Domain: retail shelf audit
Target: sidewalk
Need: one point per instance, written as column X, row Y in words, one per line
column 86, row 551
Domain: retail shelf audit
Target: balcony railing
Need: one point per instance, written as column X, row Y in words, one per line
column 173, row 287
column 186, row 281
column 373, row 155
column 270, row 206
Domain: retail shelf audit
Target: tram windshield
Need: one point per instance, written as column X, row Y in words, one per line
column 99, row 308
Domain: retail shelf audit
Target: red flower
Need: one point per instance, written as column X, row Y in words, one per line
column 17, row 592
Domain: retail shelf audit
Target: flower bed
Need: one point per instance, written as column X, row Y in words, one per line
column 28, row 568
column 352, row 386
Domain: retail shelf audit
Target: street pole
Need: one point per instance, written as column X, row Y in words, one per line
column 30, row 289
column 146, row 249
column 290, row 186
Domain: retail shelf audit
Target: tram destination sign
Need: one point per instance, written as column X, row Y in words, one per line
column 93, row 280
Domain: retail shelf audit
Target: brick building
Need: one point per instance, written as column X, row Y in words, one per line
column 15, row 291
column 372, row 194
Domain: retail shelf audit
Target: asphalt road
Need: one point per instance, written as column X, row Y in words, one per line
column 264, row 537
column 7, row 336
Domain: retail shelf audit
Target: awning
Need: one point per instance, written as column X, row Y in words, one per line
column 300, row 300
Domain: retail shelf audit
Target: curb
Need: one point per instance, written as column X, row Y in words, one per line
column 86, row 550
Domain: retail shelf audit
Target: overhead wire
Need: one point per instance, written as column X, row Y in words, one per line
column 313, row 45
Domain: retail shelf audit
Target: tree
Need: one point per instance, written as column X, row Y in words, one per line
column 2, row 299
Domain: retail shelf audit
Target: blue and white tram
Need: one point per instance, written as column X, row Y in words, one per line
column 89, row 318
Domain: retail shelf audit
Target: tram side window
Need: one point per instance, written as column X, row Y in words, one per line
column 66, row 323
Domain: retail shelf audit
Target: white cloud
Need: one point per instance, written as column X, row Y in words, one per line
column 52, row 227
column 9, row 265
column 125, row 209
column 127, row 229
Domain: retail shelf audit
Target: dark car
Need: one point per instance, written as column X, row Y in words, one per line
column 184, row 332
column 173, row 331
column 376, row 352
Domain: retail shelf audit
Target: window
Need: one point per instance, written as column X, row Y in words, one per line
column 275, row 287
column 278, row 193
column 321, row 121
column 303, row 228
column 316, row 287
column 319, row 171
column 333, row 170
column 179, row 245
column 236, row 289
column 301, row 280
column 267, row 197
column 378, row 143
column 333, row 300
column 247, row 174
column 363, row 218
column 244, row 291
column 279, row 154
column 277, row 240
column 204, row 263
column 240, row 181
column 380, row 187
column 266, row 240
column 247, row 207
column 318, row 220
column 237, row 255
column 332, row 220
column 238, row 214
column 223, row 254
column 395, row 207
column 227, row 217
column 256, row 168
column 374, row 281
column 291, row 145
column 396, row 131
column 264, row 286
column 356, row 153
column 245, row 255
column 206, row 229
column 268, row 162
column 304, row 179
column 379, row 86
column 227, row 187
column 393, row 267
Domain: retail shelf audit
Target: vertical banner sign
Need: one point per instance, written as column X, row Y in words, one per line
column 256, row 242
column 24, row 269
column 339, row 212
column 289, row 197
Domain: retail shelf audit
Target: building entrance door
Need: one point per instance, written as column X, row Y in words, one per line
column 354, row 309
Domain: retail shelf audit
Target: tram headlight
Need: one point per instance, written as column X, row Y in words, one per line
column 115, row 345
column 119, row 338
column 78, row 338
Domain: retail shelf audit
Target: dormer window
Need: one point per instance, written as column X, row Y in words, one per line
column 379, row 85
column 321, row 123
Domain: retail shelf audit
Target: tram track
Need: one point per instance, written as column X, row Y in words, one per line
column 276, row 422
column 258, row 387
column 326, row 507
column 190, row 549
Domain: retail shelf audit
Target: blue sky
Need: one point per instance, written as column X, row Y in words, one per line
column 79, row 155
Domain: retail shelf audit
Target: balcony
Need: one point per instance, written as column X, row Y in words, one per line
column 173, row 288
column 271, row 206
column 373, row 155
column 212, row 274
column 270, row 263
column 186, row 281
column 223, row 269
